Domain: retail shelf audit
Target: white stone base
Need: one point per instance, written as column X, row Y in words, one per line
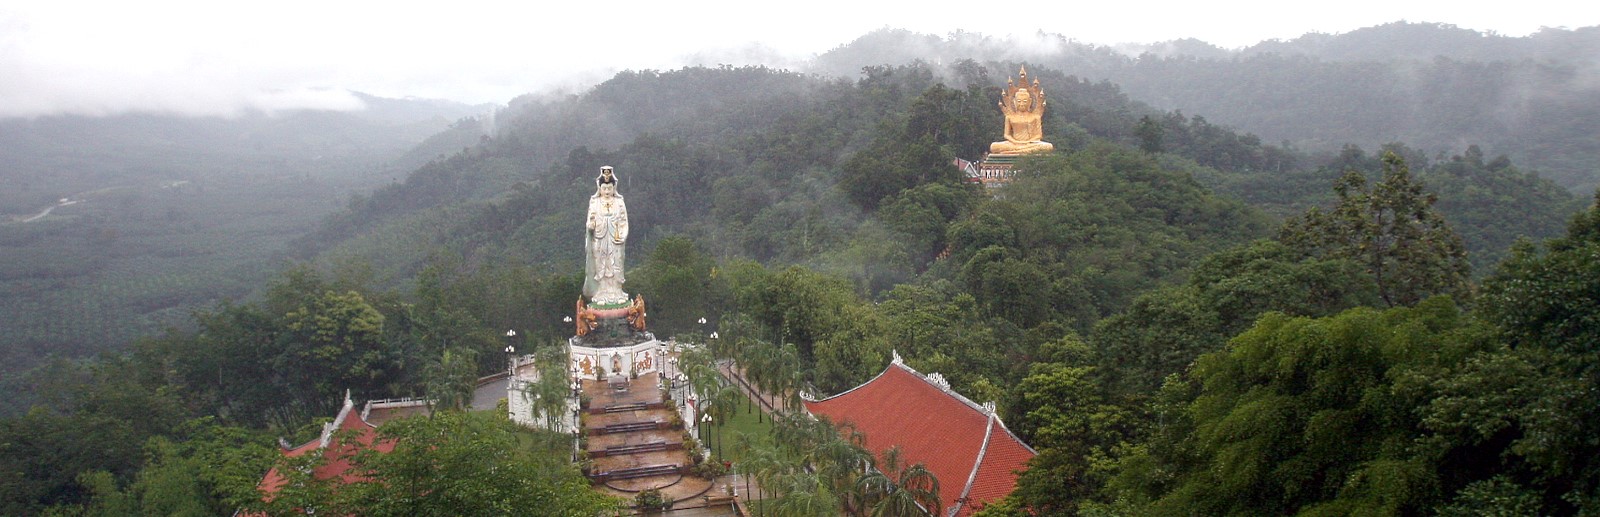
column 616, row 362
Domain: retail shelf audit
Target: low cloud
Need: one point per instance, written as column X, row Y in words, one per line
column 228, row 58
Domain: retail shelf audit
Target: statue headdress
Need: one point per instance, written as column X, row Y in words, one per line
column 1035, row 93
column 605, row 177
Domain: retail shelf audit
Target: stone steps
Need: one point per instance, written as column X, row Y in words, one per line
column 628, row 427
column 636, row 449
column 622, row 408
column 642, row 472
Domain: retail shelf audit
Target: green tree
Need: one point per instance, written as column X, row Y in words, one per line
column 1065, row 413
column 919, row 150
column 893, row 489
column 1545, row 298
column 1305, row 415
column 680, row 285
column 47, row 455
column 205, row 469
column 1077, row 235
column 465, row 464
column 450, row 380
column 1529, row 404
column 332, row 342
column 1392, row 230
column 1479, row 198
column 1149, row 132
column 1163, row 331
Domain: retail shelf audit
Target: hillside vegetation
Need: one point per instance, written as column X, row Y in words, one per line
column 164, row 215
column 1180, row 317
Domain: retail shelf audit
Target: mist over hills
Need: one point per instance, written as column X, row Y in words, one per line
column 57, row 156
column 1436, row 87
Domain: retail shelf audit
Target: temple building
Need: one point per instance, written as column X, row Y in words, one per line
column 963, row 443
column 336, row 453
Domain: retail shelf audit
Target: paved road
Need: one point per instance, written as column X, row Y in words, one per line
column 487, row 395
column 47, row 210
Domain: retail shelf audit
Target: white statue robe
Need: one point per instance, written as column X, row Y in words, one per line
column 605, row 242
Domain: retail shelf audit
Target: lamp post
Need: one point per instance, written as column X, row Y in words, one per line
column 576, row 436
column 511, row 350
column 511, row 376
column 681, row 382
column 705, row 420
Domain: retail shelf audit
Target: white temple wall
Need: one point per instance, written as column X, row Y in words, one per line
column 638, row 360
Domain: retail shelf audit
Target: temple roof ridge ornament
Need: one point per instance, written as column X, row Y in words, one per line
column 896, row 357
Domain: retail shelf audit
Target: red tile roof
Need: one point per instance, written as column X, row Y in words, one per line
column 964, row 444
column 336, row 453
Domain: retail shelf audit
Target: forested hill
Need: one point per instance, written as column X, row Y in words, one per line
column 51, row 157
column 761, row 163
column 776, row 165
column 1435, row 87
column 115, row 227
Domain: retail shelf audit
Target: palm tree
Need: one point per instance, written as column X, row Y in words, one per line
column 722, row 404
column 449, row 381
column 789, row 376
column 895, row 490
column 803, row 494
column 697, row 365
column 550, row 391
column 763, row 461
column 760, row 369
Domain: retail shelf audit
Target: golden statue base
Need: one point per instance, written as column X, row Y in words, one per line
column 588, row 318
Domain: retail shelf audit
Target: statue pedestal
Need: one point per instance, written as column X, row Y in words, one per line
column 614, row 350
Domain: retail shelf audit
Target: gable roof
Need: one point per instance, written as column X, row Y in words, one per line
column 335, row 453
column 963, row 443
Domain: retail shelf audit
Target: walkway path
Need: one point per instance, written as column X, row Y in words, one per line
column 769, row 402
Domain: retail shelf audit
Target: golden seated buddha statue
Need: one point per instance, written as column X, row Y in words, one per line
column 1023, row 105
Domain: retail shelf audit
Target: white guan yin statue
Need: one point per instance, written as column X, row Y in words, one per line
column 605, row 241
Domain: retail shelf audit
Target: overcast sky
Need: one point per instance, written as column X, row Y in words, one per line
column 219, row 57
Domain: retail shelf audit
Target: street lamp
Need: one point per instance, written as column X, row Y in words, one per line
column 708, row 419
column 705, row 419
column 511, row 358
